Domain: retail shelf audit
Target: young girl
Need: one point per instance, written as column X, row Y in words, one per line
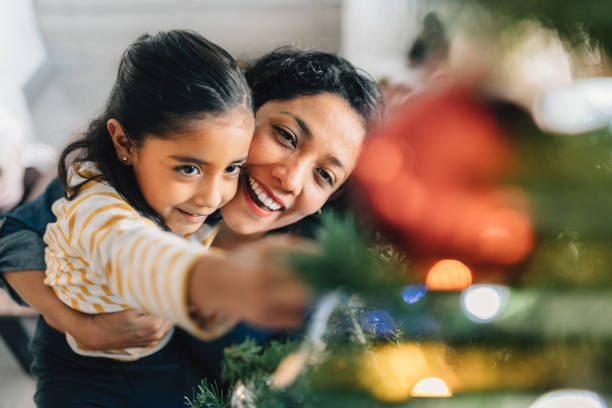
column 165, row 153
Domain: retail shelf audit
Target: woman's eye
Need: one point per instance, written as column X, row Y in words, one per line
column 286, row 136
column 188, row 170
column 326, row 176
column 233, row 169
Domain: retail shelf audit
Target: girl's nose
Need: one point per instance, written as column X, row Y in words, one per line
column 209, row 193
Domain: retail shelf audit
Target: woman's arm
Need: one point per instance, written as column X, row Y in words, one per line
column 22, row 264
column 97, row 332
column 29, row 285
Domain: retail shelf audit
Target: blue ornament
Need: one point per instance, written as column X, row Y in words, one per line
column 413, row 293
column 378, row 322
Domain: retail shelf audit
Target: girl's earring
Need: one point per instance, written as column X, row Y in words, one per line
column 124, row 159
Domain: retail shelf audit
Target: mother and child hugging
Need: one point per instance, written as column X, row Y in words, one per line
column 153, row 248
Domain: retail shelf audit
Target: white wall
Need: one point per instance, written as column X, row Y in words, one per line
column 86, row 37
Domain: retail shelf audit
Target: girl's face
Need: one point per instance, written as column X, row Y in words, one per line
column 302, row 151
column 190, row 175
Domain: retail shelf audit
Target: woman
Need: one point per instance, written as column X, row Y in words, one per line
column 312, row 112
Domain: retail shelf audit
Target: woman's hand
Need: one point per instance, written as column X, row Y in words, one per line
column 130, row 328
column 251, row 283
column 97, row 332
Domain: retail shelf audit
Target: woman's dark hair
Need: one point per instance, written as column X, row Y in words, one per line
column 288, row 73
column 164, row 81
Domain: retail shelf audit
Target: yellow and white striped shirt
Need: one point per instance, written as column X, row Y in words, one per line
column 103, row 256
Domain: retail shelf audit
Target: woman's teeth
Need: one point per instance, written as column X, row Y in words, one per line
column 263, row 197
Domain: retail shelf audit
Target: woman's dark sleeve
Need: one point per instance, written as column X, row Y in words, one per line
column 21, row 232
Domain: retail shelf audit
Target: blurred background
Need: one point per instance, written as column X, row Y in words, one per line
column 64, row 53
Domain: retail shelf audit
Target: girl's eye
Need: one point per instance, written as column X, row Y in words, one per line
column 286, row 136
column 326, row 176
column 233, row 169
column 188, row 170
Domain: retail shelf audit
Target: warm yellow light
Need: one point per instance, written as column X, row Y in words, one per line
column 389, row 373
column 449, row 274
column 430, row 387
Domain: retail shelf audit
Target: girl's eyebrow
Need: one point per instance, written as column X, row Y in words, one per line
column 188, row 159
column 242, row 160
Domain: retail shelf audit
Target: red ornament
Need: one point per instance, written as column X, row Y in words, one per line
column 433, row 180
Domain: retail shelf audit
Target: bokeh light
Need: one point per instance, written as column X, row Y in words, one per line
column 569, row 399
column 483, row 303
column 413, row 293
column 448, row 274
column 580, row 106
column 431, row 387
column 378, row 322
column 390, row 373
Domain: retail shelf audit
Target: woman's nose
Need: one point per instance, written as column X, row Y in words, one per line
column 291, row 175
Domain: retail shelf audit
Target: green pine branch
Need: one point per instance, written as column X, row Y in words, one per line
column 351, row 263
column 248, row 359
column 208, row 395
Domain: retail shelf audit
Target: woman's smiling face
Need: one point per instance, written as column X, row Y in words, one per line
column 302, row 151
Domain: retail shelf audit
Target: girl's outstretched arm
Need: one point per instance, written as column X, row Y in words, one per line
column 250, row 283
column 104, row 257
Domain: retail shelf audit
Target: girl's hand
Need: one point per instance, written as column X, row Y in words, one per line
column 251, row 283
column 130, row 328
